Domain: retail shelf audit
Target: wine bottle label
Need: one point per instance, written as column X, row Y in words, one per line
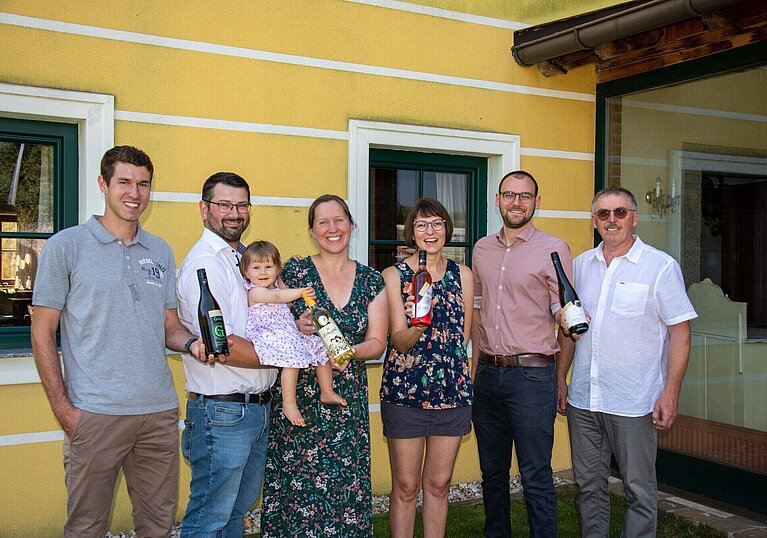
column 333, row 339
column 423, row 305
column 574, row 314
column 216, row 318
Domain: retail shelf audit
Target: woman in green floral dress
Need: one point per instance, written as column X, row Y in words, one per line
column 317, row 479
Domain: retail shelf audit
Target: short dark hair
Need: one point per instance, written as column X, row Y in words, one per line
column 124, row 154
column 260, row 250
column 616, row 190
column 227, row 178
column 427, row 207
column 329, row 198
column 519, row 173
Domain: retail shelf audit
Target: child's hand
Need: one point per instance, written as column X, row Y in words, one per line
column 309, row 292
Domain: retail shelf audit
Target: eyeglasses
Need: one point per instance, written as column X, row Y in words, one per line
column 423, row 225
column 619, row 212
column 510, row 196
column 226, row 207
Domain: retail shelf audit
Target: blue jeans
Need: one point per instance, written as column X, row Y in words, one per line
column 225, row 445
column 516, row 406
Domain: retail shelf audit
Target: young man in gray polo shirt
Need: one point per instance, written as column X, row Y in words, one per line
column 111, row 286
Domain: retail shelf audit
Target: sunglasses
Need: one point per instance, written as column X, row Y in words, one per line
column 619, row 212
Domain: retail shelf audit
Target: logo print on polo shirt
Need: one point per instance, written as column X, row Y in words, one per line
column 154, row 272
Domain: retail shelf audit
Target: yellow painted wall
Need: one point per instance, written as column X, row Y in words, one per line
column 169, row 79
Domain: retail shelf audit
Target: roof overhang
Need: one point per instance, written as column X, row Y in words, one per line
column 546, row 42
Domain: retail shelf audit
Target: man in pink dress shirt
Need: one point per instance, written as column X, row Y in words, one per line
column 516, row 298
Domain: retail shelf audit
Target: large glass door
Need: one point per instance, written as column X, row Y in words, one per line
column 694, row 153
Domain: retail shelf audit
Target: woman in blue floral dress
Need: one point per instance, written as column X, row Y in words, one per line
column 317, row 480
column 426, row 390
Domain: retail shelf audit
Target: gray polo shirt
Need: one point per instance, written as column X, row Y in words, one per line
column 112, row 299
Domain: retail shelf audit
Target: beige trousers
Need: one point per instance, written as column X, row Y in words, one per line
column 145, row 447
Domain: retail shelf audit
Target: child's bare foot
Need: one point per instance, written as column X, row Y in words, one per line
column 332, row 398
column 292, row 413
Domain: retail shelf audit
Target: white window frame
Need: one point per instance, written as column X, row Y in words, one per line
column 501, row 150
column 94, row 115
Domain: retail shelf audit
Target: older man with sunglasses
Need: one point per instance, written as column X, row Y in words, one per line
column 628, row 367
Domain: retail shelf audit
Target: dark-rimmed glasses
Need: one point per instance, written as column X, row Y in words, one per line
column 423, row 225
column 226, row 207
column 510, row 196
column 619, row 212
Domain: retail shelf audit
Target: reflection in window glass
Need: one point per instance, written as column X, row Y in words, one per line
column 695, row 156
column 26, row 186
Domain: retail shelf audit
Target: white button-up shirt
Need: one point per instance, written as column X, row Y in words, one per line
column 620, row 363
column 226, row 284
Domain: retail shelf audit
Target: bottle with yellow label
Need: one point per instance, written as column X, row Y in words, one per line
column 329, row 332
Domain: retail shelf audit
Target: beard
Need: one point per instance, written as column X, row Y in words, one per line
column 516, row 220
column 227, row 234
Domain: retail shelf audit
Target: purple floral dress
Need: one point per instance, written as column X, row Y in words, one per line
column 278, row 342
column 317, row 480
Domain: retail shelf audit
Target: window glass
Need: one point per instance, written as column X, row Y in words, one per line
column 398, row 179
column 695, row 156
column 34, row 204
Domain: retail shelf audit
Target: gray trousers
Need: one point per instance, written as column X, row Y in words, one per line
column 593, row 437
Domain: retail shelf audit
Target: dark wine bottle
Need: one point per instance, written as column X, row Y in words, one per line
column 572, row 310
column 212, row 328
column 422, row 291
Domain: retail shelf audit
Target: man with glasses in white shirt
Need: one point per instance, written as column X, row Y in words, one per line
column 228, row 409
column 628, row 367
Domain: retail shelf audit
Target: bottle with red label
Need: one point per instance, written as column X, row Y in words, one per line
column 422, row 291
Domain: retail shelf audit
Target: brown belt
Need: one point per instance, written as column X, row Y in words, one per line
column 527, row 360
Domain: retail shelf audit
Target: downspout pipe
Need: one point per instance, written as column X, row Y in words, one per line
column 633, row 20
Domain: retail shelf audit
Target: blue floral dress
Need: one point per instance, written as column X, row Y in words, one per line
column 317, row 480
column 434, row 373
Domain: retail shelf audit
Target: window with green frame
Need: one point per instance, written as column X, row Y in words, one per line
column 399, row 178
column 38, row 197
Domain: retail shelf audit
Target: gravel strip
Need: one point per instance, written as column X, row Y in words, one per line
column 468, row 492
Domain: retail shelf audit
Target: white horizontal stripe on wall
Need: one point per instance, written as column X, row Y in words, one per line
column 638, row 161
column 228, row 125
column 555, row 214
column 695, row 111
column 31, row 438
column 274, row 201
column 285, row 201
column 443, row 13
column 556, row 154
column 58, row 435
column 292, row 59
column 288, row 130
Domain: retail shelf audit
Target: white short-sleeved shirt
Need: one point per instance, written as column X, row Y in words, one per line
column 620, row 363
column 226, row 284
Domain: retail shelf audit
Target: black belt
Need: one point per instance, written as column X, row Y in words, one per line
column 526, row 360
column 240, row 397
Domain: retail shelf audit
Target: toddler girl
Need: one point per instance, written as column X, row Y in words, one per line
column 272, row 329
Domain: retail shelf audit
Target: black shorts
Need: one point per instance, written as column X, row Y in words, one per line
column 402, row 422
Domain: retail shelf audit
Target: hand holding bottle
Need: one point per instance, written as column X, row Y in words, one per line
column 562, row 322
column 410, row 303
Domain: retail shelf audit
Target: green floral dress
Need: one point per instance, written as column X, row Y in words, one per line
column 317, row 480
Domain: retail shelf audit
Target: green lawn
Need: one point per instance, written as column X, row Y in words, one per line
column 467, row 521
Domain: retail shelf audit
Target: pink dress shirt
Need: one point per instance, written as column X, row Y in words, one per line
column 516, row 292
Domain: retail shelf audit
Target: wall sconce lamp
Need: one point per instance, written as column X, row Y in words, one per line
column 661, row 201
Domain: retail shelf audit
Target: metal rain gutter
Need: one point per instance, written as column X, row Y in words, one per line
column 635, row 19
